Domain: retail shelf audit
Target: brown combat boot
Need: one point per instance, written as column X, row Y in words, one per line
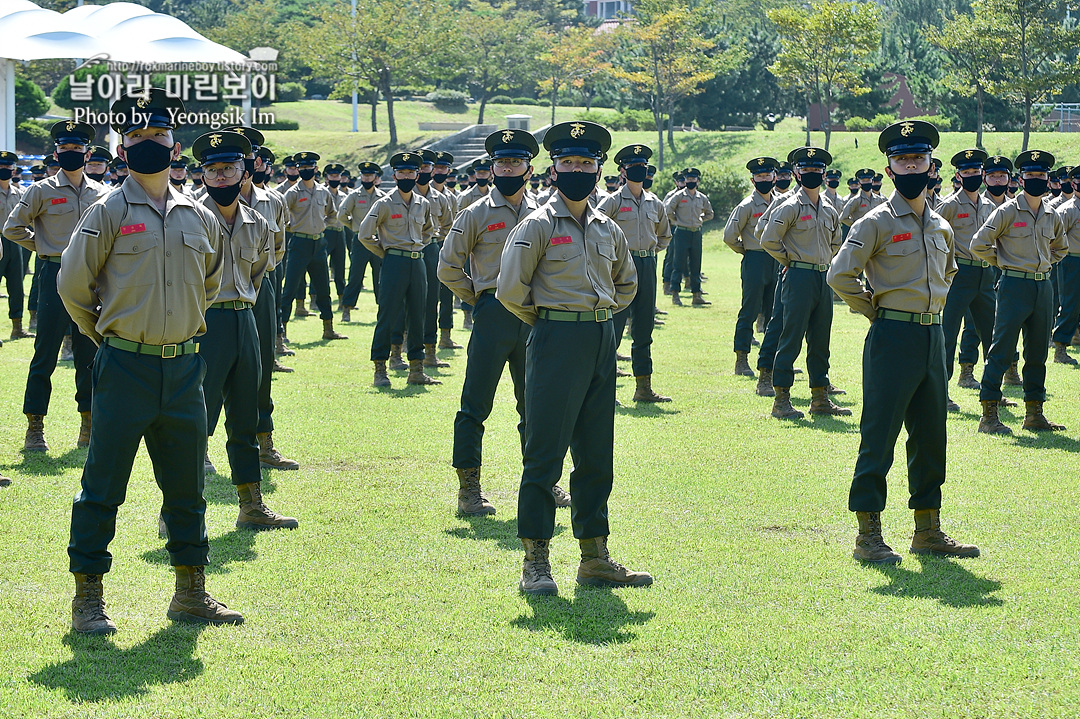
column 990, row 423
column 88, row 606
column 431, row 359
column 967, row 377
column 417, row 376
column 466, row 319
column 536, row 569
column 17, row 331
column 396, row 362
column 1036, row 421
column 929, row 539
column 1061, row 353
column 821, row 404
column 254, row 514
column 280, row 347
column 84, row 431
column 675, row 299
column 764, row 383
column 5, row 481
column 446, row 342
column 870, row 546
column 698, row 300
column 1075, row 341
column 742, row 367
column 644, row 391
column 191, row 603
column 278, row 367
column 301, row 310
column 33, row 320
column 66, row 352
column 667, row 288
column 1012, row 376
column 470, row 501
column 598, row 569
column 381, row 379
column 269, row 457
column 761, row 325
column 951, row 406
column 208, row 466
column 562, row 497
column 782, row 408
column 328, row 332
column 346, row 315
column 35, row 434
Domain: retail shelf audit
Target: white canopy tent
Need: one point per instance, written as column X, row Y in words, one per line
column 120, row 32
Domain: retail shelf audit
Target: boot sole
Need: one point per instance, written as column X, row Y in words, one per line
column 265, row 527
column 597, row 582
column 95, row 632
column 888, row 560
column 542, row 592
column 482, row 513
column 186, row 618
column 264, row 465
column 938, row 553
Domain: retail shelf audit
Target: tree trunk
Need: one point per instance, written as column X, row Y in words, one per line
column 826, row 117
column 374, row 107
column 979, row 115
column 671, row 130
column 808, row 119
column 554, row 99
column 387, row 90
column 483, row 106
column 1027, row 122
column 658, row 119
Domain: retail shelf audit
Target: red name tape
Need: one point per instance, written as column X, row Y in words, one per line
column 1019, row 224
column 562, row 240
column 128, row 229
column 901, row 238
column 758, row 214
column 395, row 217
column 684, row 200
column 963, row 214
column 496, row 226
column 626, row 209
column 59, row 200
column 804, row 218
column 302, row 199
column 863, row 205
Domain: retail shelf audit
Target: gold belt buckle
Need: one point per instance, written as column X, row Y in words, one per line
column 602, row 315
column 926, row 318
column 414, row 255
column 1040, row 276
column 165, row 348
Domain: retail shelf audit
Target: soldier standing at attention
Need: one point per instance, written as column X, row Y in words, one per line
column 351, row 213
column 334, row 234
column 758, row 269
column 1068, row 273
column 906, row 251
column 143, row 266
column 802, row 234
column 566, row 270
column 1024, row 238
column 98, row 164
column 442, row 216
column 857, row 207
column 441, row 173
column 642, row 218
column 42, row 221
column 687, row 211
column 832, row 181
column 482, row 168
column 12, row 269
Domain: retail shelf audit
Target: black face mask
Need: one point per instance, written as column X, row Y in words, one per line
column 333, row 183
column 95, row 176
column 439, row 177
column 576, row 185
column 291, row 176
column 366, row 185
column 148, row 157
column 482, row 181
column 1055, row 191
column 647, row 183
column 833, row 183
column 308, row 174
column 636, row 173
column 423, row 178
column 811, row 180
column 1036, row 187
column 764, row 186
column 71, row 160
column 249, row 165
column 406, row 185
column 911, row 185
column 509, row 185
column 6, row 173
column 197, row 181
column 877, row 185
column 224, row 196
column 866, row 186
column 120, row 179
column 997, row 190
column 971, row 184
column 175, row 182
column 1066, row 188
column 691, row 185
column 783, row 184
column 259, row 177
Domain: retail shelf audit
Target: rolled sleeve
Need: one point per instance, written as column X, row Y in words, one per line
column 520, row 256
column 848, row 264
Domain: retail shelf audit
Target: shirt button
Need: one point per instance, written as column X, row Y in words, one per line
column 169, row 313
column 169, row 283
column 168, row 254
column 134, row 247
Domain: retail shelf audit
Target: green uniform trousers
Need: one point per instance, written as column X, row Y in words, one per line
column 808, row 312
column 759, row 272
column 1026, row 305
column 359, row 259
column 140, row 397
column 230, row 349
column 306, row 256
column 641, row 313
column 972, row 291
column 335, row 255
column 687, row 262
column 266, row 326
column 904, row 383
column 13, row 271
column 1068, row 272
column 498, row 338
column 773, row 330
column 569, row 404
column 403, row 289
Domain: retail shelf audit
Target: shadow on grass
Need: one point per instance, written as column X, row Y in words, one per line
column 237, row 545
column 99, row 670
column 1046, row 440
column 945, row 580
column 43, row 464
column 596, row 616
column 646, row 409
column 219, row 489
column 488, row 529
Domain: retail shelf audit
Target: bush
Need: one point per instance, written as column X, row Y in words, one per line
column 524, row 101
column 448, row 100
column 291, row 92
column 33, row 138
column 878, row 122
column 501, row 100
column 629, row 120
column 281, row 124
column 941, row 122
column 607, row 119
column 724, row 188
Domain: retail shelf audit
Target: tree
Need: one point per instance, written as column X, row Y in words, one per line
column 667, row 56
column 825, row 47
column 973, row 52
column 571, row 56
column 30, row 100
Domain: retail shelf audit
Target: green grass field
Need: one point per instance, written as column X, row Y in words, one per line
column 385, row 604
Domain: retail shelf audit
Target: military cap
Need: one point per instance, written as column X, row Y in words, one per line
column 908, row 136
column 966, row 159
column 406, row 161
column 611, row 179
column 180, row 163
column 864, row 174
column 878, row 177
column 512, row 143
column 288, row 161
column 1034, row 161
column 810, row 157
column 833, row 174
column 254, row 136
column 333, row 169
column 38, row 169
column 762, row 164
column 51, row 161
column 444, row 158
column 306, row 158
column 98, row 153
column 650, row 171
column 195, row 168
column 691, row 172
column 783, row 167
column 155, row 108
column 633, row 155
column 936, row 162
column 463, row 178
column 266, row 153
column 997, row 163
column 482, row 163
column 118, row 164
column 577, row 139
column 8, row 158
column 677, row 176
column 70, row 131
column 427, row 157
column 1074, row 172
column 345, row 172
column 369, row 168
column 1064, row 171
column 220, row 146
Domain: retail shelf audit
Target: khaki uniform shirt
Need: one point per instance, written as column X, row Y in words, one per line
column 471, row 195
column 337, row 196
column 689, row 211
column 309, row 210
column 778, row 199
column 965, row 217
column 802, row 231
column 8, row 199
column 140, row 275
column 833, row 199
column 477, row 238
column 48, row 211
column 551, row 262
column 284, row 186
column 355, row 206
column 246, row 253
column 1055, row 203
column 271, row 207
column 450, row 196
column 442, row 212
column 197, row 193
column 739, row 230
column 1015, row 238
column 392, row 225
column 1070, row 222
column 644, row 221
column 859, row 206
column 908, row 260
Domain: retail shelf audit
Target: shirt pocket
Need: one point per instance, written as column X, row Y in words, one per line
column 196, row 248
column 246, row 258
column 562, row 266
column 903, row 248
column 131, row 262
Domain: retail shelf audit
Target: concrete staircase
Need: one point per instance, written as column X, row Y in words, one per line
column 466, row 146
